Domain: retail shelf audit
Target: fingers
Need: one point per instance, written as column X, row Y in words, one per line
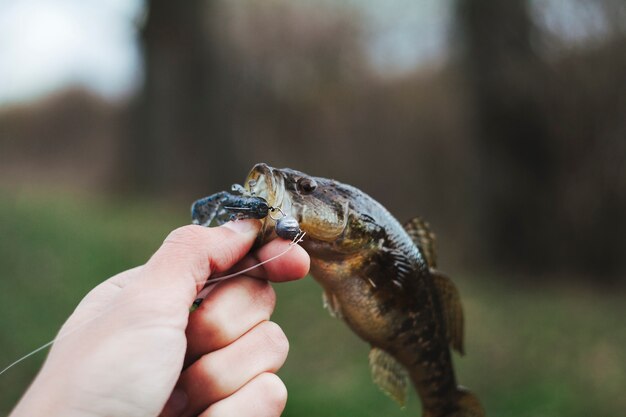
column 239, row 304
column 174, row 274
column 219, row 374
column 264, row 396
column 294, row 264
column 229, row 311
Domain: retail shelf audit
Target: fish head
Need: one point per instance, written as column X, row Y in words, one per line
column 318, row 204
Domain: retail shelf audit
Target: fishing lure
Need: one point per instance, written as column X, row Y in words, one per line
column 238, row 205
column 224, row 206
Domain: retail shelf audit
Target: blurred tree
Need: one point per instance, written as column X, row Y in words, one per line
column 516, row 155
column 548, row 137
column 180, row 130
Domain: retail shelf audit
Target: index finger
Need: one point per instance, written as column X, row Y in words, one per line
column 291, row 262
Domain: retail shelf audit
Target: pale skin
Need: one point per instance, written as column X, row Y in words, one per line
column 134, row 350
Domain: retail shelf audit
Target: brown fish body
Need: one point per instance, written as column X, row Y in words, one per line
column 385, row 293
column 381, row 280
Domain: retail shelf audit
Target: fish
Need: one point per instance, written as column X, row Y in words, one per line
column 381, row 278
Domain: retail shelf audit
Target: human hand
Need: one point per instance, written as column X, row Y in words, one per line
column 132, row 340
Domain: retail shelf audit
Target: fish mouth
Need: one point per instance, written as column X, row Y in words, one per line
column 268, row 183
column 264, row 181
column 322, row 219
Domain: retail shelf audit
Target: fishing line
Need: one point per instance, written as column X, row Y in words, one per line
column 202, row 294
column 56, row 339
column 207, row 287
column 40, row 348
column 295, row 241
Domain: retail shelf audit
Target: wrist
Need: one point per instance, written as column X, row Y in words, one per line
column 43, row 399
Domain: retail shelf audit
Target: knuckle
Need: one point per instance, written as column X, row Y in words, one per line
column 263, row 295
column 222, row 253
column 207, row 365
column 274, row 393
column 185, row 236
column 214, row 318
column 208, row 370
column 274, row 339
column 184, row 246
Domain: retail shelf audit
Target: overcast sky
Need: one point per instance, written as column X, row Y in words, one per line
column 48, row 44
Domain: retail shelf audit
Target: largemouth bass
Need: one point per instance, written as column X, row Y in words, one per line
column 381, row 278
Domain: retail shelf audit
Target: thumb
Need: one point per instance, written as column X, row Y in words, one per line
column 189, row 255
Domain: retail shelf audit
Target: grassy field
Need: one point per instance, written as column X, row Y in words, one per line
column 540, row 352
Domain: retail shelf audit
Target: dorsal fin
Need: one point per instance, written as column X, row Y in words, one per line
column 420, row 233
column 389, row 375
column 452, row 310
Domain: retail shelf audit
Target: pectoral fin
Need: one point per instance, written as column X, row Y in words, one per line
column 420, row 233
column 332, row 305
column 389, row 375
column 452, row 309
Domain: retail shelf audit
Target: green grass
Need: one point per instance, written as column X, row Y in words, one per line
column 542, row 352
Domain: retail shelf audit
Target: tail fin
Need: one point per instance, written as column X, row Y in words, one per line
column 466, row 404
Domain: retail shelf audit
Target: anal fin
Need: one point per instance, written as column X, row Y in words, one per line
column 452, row 309
column 389, row 375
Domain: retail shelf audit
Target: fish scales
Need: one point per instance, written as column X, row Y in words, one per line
column 380, row 277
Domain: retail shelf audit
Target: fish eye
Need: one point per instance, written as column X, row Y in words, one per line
column 306, row 185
